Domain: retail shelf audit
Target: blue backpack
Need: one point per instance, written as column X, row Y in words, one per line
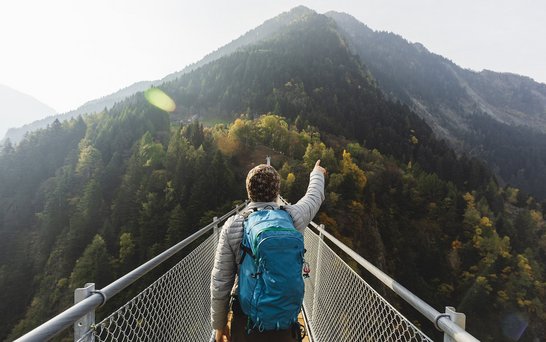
column 270, row 275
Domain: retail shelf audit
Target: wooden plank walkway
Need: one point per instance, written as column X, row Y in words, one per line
column 302, row 322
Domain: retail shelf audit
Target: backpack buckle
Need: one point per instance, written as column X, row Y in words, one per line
column 306, row 270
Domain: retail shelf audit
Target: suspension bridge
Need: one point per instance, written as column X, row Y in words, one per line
column 339, row 305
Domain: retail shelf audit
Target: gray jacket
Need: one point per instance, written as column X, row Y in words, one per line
column 227, row 257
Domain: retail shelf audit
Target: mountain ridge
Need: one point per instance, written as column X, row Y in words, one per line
column 507, row 80
column 452, row 100
column 91, row 198
column 447, row 96
column 18, row 107
column 265, row 30
column 261, row 32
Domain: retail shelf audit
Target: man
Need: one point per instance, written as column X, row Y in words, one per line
column 263, row 185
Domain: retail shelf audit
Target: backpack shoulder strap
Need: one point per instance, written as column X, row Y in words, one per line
column 243, row 216
column 246, row 213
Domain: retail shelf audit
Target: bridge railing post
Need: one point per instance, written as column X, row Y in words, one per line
column 83, row 325
column 317, row 275
column 458, row 318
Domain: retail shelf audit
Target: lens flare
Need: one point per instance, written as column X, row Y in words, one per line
column 159, row 99
column 514, row 325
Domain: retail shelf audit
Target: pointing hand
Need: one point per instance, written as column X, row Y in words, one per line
column 319, row 168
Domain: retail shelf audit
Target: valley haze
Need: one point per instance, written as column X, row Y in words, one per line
column 436, row 174
column 61, row 54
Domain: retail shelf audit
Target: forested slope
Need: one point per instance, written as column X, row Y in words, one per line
column 445, row 95
column 91, row 198
column 458, row 102
column 308, row 74
column 264, row 31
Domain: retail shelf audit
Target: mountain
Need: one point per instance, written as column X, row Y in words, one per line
column 17, row 108
column 440, row 89
column 16, row 134
column 90, row 198
column 280, row 76
column 462, row 105
column 266, row 30
column 262, row 32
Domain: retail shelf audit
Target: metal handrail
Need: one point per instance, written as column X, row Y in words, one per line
column 60, row 322
column 68, row 317
column 440, row 320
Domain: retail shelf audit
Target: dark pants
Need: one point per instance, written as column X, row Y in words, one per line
column 239, row 332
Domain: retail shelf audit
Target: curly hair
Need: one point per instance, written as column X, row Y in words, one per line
column 263, row 183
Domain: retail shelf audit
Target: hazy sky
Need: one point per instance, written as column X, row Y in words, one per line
column 66, row 52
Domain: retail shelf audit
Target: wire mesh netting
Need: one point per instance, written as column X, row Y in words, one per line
column 341, row 306
column 176, row 307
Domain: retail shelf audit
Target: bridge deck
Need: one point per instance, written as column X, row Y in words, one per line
column 300, row 320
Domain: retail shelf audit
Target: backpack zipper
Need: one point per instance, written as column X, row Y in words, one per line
column 273, row 237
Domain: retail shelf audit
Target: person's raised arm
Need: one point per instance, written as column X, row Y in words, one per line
column 307, row 207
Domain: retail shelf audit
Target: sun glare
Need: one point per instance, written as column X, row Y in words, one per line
column 159, row 99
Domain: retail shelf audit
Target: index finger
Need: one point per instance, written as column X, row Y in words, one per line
column 317, row 163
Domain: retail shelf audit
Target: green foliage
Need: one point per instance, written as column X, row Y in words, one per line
column 95, row 263
column 126, row 247
column 395, row 214
column 517, row 153
column 178, row 226
column 509, row 136
column 123, row 185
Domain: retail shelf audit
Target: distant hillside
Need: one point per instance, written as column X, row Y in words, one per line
column 452, row 100
column 91, row 198
column 266, row 30
column 320, row 84
column 462, row 105
column 513, row 99
column 17, row 108
column 16, row 134
column 261, row 32
column 439, row 89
